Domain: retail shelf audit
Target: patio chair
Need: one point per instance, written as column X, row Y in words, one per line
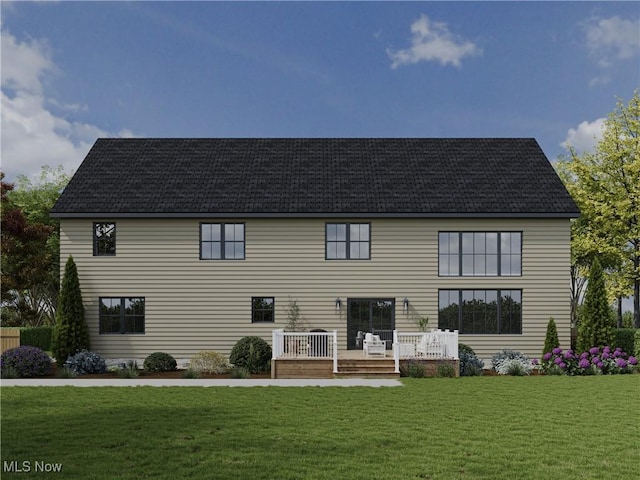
column 372, row 345
column 429, row 346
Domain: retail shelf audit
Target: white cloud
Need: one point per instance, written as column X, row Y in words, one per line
column 432, row 41
column 24, row 63
column 613, row 39
column 32, row 134
column 586, row 136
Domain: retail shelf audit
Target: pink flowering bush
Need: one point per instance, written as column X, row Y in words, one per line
column 596, row 360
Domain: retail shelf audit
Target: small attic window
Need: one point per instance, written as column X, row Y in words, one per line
column 104, row 239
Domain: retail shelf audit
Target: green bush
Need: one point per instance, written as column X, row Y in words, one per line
column 445, row 370
column 37, row 337
column 129, row 371
column 211, row 362
column 253, row 353
column 627, row 319
column 412, row 368
column 191, row 373
column 65, row 372
column 625, row 339
column 470, row 364
column 160, row 362
column 637, row 343
column 240, row 372
column 551, row 341
column 465, row 348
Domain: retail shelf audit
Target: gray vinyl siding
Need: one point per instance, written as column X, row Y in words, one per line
column 194, row 304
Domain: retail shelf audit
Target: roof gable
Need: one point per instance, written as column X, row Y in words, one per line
column 315, row 177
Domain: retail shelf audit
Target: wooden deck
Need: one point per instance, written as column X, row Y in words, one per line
column 351, row 363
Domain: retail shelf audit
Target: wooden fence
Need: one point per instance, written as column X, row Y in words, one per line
column 10, row 338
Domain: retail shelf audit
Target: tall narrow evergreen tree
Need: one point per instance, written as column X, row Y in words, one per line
column 596, row 324
column 71, row 334
column 551, row 341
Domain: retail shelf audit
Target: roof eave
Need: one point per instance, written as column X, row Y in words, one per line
column 112, row 215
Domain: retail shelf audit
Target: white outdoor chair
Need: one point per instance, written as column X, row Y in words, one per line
column 429, row 346
column 372, row 345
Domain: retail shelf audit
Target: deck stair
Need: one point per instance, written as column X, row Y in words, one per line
column 366, row 368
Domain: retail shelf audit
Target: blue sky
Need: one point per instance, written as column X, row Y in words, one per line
column 73, row 72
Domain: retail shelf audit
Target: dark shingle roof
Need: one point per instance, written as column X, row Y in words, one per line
column 315, row 177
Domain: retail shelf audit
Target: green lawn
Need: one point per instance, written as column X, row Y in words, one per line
column 469, row 428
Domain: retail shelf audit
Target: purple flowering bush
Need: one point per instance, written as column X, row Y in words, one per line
column 26, row 361
column 596, row 360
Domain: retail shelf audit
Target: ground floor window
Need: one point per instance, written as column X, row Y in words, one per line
column 262, row 309
column 122, row 314
column 488, row 312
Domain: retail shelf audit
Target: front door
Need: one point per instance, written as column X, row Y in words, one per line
column 374, row 315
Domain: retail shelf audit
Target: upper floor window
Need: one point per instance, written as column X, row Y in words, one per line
column 222, row 241
column 479, row 254
column 104, row 239
column 348, row 241
column 262, row 309
column 481, row 311
column 121, row 315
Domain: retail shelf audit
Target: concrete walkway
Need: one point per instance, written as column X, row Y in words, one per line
column 258, row 382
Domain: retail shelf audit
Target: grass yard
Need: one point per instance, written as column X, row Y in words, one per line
column 469, row 428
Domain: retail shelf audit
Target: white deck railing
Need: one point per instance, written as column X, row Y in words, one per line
column 433, row 345
column 306, row 345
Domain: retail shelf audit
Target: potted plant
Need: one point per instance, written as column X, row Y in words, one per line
column 295, row 323
column 422, row 323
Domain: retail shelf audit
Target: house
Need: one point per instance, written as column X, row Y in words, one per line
column 190, row 244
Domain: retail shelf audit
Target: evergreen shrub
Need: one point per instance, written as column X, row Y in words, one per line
column 37, row 337
column 625, row 339
column 70, row 334
column 596, row 328
column 462, row 347
column 551, row 340
column 253, row 353
column 160, row 362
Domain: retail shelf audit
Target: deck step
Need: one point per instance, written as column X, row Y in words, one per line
column 367, row 368
column 323, row 368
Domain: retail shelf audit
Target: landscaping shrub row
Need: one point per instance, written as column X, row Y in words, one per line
column 39, row 337
column 597, row 360
column 249, row 355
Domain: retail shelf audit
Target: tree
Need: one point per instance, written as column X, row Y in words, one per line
column 551, row 340
column 606, row 186
column 596, row 326
column 30, row 248
column 25, row 266
column 70, row 334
